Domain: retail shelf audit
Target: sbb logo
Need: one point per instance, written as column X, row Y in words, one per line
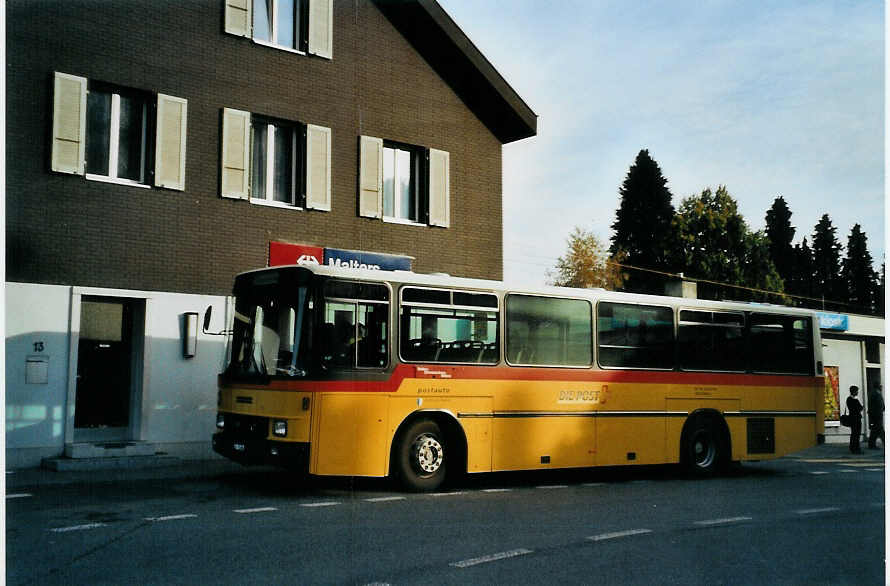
column 307, row 259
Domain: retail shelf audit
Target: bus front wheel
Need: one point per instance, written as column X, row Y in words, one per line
column 421, row 457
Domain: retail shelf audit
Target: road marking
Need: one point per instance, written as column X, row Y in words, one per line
column 446, row 493
column 497, row 490
column 842, row 471
column 816, row 511
column 549, row 486
column 256, row 510
column 818, row 472
column 172, row 517
column 491, row 558
column 385, row 499
column 322, row 504
column 617, row 534
column 21, row 495
column 77, row 527
column 726, row 521
column 874, row 469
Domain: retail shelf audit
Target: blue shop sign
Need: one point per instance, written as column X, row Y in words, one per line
column 376, row 261
column 834, row 321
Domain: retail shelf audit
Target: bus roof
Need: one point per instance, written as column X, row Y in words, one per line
column 447, row 281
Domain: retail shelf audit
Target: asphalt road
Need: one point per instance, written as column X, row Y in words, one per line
column 810, row 519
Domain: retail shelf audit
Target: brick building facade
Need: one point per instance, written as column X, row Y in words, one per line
column 317, row 110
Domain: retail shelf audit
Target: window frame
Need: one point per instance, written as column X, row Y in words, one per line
column 419, row 170
column 497, row 309
column 752, row 316
column 356, row 302
column 149, row 134
column 597, row 345
column 301, row 26
column 590, row 308
column 298, row 163
column 743, row 328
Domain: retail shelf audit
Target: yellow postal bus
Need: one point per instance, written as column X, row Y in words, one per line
column 372, row 373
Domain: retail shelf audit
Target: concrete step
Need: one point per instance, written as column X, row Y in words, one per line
column 64, row 464
column 120, row 449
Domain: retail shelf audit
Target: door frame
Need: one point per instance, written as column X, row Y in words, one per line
column 141, row 353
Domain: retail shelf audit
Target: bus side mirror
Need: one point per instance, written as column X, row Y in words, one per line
column 207, row 315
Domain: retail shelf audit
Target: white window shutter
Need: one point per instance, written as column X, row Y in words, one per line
column 321, row 27
column 69, row 124
column 235, row 171
column 170, row 142
column 318, row 168
column 370, row 197
column 440, row 213
column 238, row 18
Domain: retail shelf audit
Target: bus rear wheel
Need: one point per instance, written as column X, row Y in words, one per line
column 704, row 451
column 421, row 456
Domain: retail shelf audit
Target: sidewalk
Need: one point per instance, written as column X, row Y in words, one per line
column 173, row 469
column 169, row 469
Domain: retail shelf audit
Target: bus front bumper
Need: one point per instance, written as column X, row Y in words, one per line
column 253, row 451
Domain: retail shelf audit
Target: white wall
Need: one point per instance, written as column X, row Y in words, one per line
column 847, row 356
column 178, row 407
column 35, row 413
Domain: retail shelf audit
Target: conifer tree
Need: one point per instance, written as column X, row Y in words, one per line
column 828, row 283
column 642, row 227
column 780, row 233
column 858, row 273
column 802, row 276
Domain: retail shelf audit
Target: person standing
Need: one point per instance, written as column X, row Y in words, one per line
column 875, row 416
column 855, row 409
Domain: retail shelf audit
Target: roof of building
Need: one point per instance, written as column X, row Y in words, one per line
column 448, row 50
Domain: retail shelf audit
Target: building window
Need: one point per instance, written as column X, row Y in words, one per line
column 117, row 134
column 277, row 150
column 275, row 162
column 401, row 182
column 404, row 183
column 283, row 23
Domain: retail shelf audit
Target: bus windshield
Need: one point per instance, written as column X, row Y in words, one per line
column 270, row 331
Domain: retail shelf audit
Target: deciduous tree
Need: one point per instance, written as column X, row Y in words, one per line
column 587, row 264
column 715, row 244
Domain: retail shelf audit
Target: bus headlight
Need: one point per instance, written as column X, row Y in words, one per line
column 220, row 421
column 279, row 428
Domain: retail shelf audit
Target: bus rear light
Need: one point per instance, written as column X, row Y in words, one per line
column 279, row 428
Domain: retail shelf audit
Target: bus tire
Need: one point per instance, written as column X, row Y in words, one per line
column 703, row 450
column 421, row 456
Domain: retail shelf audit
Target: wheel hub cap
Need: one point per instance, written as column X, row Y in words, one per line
column 428, row 454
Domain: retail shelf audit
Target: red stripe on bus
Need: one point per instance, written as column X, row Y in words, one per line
column 500, row 373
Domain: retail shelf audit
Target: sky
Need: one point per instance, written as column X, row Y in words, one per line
column 773, row 98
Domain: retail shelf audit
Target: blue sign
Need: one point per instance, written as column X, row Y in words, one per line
column 834, row 321
column 375, row 261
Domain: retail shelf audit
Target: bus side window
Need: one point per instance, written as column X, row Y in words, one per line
column 355, row 326
column 546, row 331
column 439, row 325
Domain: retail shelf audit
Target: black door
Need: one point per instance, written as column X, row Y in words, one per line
column 104, row 364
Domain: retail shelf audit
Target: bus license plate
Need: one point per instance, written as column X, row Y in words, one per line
column 238, row 446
